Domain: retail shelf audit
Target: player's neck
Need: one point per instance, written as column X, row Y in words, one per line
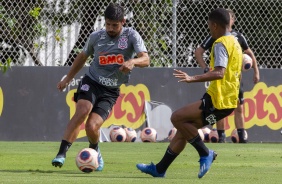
column 221, row 33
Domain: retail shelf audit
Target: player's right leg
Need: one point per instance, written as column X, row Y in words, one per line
column 83, row 108
column 239, row 123
column 239, row 117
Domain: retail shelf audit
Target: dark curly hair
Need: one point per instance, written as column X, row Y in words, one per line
column 220, row 16
column 114, row 12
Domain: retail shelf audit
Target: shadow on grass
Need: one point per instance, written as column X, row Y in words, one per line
column 38, row 171
column 74, row 173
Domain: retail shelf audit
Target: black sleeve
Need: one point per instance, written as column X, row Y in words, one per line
column 243, row 42
column 207, row 43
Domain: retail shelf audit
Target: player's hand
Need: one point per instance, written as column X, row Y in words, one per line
column 184, row 77
column 127, row 66
column 62, row 84
column 256, row 78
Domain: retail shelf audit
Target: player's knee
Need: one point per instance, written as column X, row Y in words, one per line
column 92, row 127
column 83, row 112
column 174, row 119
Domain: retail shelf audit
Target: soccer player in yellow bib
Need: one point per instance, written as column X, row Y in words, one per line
column 218, row 102
column 238, row 112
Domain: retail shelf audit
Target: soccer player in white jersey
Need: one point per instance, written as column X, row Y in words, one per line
column 114, row 49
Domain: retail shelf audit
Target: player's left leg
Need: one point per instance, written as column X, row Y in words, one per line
column 92, row 128
column 188, row 120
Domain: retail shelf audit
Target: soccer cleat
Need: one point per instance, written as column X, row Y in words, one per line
column 221, row 140
column 58, row 161
column 100, row 161
column 205, row 163
column 150, row 169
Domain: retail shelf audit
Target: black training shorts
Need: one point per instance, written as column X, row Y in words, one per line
column 102, row 98
column 210, row 114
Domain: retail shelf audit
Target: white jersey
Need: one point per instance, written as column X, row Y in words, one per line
column 110, row 53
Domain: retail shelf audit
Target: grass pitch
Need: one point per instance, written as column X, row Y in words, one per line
column 30, row 162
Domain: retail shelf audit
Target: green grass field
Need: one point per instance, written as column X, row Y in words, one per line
column 30, row 162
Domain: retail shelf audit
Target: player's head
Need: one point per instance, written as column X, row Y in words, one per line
column 232, row 17
column 218, row 22
column 114, row 18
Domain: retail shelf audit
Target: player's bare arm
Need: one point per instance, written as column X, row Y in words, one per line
column 256, row 77
column 217, row 73
column 142, row 60
column 199, row 57
column 78, row 63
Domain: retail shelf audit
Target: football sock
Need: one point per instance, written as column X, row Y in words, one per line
column 199, row 145
column 221, row 134
column 241, row 134
column 65, row 145
column 167, row 159
column 93, row 146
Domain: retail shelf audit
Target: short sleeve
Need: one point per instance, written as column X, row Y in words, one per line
column 138, row 42
column 220, row 55
column 88, row 48
column 207, row 43
column 243, row 42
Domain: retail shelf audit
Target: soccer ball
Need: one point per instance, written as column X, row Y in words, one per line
column 171, row 133
column 247, row 62
column 117, row 134
column 87, row 160
column 148, row 135
column 206, row 132
column 130, row 135
column 201, row 133
column 235, row 137
column 213, row 136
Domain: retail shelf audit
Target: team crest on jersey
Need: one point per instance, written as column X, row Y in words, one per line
column 122, row 43
column 85, row 87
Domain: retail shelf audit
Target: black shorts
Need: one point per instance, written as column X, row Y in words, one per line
column 210, row 114
column 102, row 98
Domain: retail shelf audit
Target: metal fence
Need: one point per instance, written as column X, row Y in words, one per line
column 52, row 32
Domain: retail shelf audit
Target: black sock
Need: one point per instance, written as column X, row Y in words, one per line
column 93, row 146
column 199, row 145
column 221, row 134
column 168, row 158
column 241, row 134
column 65, row 145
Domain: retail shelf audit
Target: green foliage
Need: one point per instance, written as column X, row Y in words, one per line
column 30, row 162
column 153, row 31
column 7, row 64
column 35, row 12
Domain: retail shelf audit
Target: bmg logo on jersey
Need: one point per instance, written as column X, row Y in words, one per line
column 111, row 59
